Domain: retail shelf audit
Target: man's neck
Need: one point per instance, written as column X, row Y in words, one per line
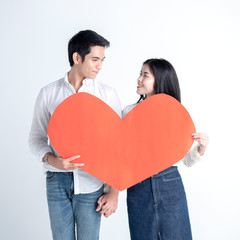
column 75, row 79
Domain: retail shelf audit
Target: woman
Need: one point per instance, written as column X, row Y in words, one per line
column 157, row 206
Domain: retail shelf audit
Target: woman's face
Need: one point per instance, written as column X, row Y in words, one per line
column 146, row 82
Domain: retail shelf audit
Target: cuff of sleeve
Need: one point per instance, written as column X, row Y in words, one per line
column 195, row 155
column 44, row 151
column 106, row 188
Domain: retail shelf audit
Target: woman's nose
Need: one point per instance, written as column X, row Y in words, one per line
column 139, row 81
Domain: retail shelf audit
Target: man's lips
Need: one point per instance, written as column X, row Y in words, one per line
column 139, row 86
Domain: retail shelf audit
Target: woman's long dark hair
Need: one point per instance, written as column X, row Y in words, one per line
column 166, row 80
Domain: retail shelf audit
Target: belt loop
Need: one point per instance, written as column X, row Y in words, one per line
column 70, row 179
column 156, row 189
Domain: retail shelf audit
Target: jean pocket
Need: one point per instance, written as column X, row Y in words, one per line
column 171, row 176
column 50, row 176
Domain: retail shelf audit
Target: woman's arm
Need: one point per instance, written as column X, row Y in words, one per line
column 194, row 155
column 108, row 202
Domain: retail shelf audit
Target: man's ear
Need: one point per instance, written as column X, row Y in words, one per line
column 76, row 58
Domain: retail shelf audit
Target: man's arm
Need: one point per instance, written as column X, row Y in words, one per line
column 195, row 153
column 38, row 139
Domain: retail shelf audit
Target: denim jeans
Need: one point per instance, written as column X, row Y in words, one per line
column 69, row 212
column 157, row 208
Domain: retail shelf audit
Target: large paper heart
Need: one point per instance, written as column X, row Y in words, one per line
column 152, row 137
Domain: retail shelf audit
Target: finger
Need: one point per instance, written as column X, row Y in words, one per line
column 72, row 166
column 200, row 135
column 200, row 138
column 203, row 139
column 103, row 212
column 72, row 158
column 100, row 204
column 107, row 214
column 112, row 209
column 76, row 165
column 100, row 199
column 105, row 206
column 99, row 207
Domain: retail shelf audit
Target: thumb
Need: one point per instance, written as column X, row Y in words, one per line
column 100, row 203
column 99, row 207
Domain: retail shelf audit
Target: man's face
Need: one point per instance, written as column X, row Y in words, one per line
column 92, row 63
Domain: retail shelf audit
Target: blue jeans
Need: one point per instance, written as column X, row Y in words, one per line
column 157, row 208
column 68, row 211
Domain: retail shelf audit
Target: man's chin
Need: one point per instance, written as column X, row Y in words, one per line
column 92, row 76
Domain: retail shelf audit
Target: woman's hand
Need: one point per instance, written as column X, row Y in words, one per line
column 108, row 202
column 202, row 140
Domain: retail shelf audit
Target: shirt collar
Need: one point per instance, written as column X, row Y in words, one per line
column 85, row 81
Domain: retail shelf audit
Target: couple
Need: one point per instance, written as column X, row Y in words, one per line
column 157, row 207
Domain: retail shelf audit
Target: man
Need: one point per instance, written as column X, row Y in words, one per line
column 75, row 198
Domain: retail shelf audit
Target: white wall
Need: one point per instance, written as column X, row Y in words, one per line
column 200, row 38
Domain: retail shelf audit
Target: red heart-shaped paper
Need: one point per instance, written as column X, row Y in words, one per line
column 153, row 136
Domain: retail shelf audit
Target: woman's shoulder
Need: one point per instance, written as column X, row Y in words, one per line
column 128, row 109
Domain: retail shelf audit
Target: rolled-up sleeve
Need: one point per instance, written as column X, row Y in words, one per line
column 38, row 139
column 192, row 157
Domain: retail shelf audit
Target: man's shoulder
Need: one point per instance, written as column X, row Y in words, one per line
column 50, row 86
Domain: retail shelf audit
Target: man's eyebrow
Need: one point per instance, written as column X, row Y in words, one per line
column 98, row 58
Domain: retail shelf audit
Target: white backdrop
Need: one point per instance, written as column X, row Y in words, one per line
column 200, row 38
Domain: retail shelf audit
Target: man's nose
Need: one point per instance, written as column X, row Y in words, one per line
column 99, row 66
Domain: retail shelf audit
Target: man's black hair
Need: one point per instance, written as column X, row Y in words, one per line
column 82, row 43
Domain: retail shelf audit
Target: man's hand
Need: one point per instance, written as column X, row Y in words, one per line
column 107, row 203
column 64, row 164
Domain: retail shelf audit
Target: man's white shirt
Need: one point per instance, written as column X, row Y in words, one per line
column 47, row 101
